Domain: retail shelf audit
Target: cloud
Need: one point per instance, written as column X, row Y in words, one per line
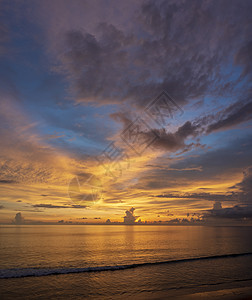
column 130, row 218
column 174, row 221
column 78, row 206
column 243, row 209
column 221, row 162
column 162, row 138
column 18, row 219
column 122, row 117
column 176, row 141
column 224, row 119
column 26, row 156
column 202, row 196
column 229, row 120
column 50, row 206
column 166, row 50
column 246, row 187
column 243, row 57
column 217, row 205
column 58, row 206
column 236, row 212
column 4, row 181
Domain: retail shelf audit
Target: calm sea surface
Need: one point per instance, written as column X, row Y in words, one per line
column 142, row 262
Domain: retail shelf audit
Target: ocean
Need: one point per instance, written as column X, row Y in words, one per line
column 119, row 262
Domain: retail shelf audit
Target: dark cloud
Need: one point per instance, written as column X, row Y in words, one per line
column 175, row 203
column 243, row 209
column 159, row 138
column 166, row 213
column 3, row 181
column 237, row 116
column 58, row 206
column 174, row 221
column 167, row 50
column 244, row 58
column 224, row 119
column 201, row 196
column 207, row 167
column 236, row 212
column 18, row 219
column 246, row 187
column 217, row 205
column 176, row 141
column 78, row 206
column 231, row 157
column 130, row 218
column 50, row 206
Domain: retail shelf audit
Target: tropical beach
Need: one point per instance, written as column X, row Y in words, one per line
column 125, row 149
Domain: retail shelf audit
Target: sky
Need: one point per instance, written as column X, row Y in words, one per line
column 125, row 111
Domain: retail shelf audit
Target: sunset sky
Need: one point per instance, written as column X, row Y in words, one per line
column 75, row 76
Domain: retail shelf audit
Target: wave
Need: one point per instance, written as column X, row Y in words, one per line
column 37, row 272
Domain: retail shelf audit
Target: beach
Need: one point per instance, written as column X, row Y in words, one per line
column 80, row 266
